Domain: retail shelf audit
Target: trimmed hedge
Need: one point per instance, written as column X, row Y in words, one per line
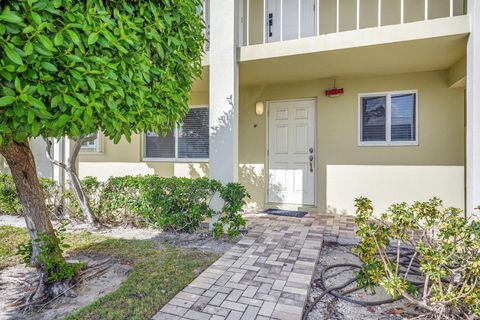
column 178, row 204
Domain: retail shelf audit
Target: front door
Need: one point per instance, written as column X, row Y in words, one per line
column 291, row 152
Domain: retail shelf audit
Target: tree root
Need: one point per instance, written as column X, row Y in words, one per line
column 45, row 293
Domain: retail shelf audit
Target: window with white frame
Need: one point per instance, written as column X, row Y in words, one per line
column 187, row 142
column 388, row 119
column 94, row 146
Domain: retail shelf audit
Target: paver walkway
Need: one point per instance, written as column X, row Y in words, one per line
column 266, row 275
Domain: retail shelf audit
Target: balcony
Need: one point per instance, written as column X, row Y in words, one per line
column 268, row 21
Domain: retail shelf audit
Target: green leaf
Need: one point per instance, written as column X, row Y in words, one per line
column 28, row 48
column 73, row 36
column 30, row 117
column 49, row 67
column 71, row 101
column 11, row 17
column 92, row 38
column 7, row 100
column 35, row 102
column 36, row 18
column 61, row 121
column 91, row 83
column 46, row 42
column 58, row 40
column 13, row 55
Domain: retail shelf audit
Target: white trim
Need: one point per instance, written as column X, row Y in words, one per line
column 267, row 156
column 98, row 150
column 176, row 159
column 388, row 124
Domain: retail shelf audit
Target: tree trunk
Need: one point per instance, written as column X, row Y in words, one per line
column 22, row 167
column 71, row 169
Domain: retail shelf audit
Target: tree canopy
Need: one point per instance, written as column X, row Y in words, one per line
column 70, row 68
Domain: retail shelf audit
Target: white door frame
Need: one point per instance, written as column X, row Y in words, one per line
column 267, row 156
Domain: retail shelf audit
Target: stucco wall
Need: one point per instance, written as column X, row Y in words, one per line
column 125, row 158
column 345, row 170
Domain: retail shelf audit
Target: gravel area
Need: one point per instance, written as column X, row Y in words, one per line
column 332, row 308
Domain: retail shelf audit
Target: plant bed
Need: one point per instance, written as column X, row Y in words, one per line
column 144, row 275
column 333, row 308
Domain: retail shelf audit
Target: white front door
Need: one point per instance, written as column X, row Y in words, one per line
column 291, row 152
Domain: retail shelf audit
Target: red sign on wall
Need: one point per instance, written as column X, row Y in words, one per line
column 334, row 92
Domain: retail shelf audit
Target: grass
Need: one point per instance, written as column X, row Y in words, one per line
column 157, row 275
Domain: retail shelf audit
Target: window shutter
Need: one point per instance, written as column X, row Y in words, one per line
column 404, row 117
column 193, row 135
column 160, row 146
column 374, row 118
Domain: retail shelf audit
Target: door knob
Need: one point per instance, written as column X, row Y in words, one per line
column 310, row 150
column 311, row 163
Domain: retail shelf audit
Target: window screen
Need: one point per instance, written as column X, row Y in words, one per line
column 374, row 118
column 160, row 146
column 193, row 135
column 403, row 117
column 189, row 141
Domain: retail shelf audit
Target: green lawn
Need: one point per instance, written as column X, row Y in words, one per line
column 157, row 275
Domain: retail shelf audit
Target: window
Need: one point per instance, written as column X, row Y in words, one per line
column 388, row 119
column 94, row 146
column 188, row 142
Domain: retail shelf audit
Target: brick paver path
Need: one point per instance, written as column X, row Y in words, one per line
column 266, row 275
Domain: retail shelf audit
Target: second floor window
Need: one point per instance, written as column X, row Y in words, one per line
column 388, row 119
column 188, row 142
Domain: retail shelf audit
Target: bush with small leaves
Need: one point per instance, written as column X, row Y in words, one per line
column 424, row 252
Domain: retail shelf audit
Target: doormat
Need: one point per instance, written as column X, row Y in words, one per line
column 286, row 213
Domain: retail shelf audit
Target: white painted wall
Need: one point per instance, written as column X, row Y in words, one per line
column 473, row 109
column 223, row 91
column 389, row 184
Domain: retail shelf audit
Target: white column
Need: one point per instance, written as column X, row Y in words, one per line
column 223, row 91
column 58, row 152
column 473, row 109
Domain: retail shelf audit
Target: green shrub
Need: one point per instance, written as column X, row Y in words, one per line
column 51, row 256
column 9, row 201
column 426, row 253
column 178, row 204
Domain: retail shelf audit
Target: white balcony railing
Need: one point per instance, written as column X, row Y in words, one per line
column 264, row 21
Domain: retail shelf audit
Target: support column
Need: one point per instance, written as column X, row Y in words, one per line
column 223, row 91
column 58, row 174
column 473, row 110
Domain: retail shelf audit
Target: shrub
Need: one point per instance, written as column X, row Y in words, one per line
column 51, row 256
column 178, row 204
column 426, row 253
column 10, row 203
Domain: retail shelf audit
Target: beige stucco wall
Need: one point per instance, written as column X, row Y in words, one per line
column 345, row 170
column 414, row 10
column 125, row 158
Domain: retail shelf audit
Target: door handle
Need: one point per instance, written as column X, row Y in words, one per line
column 311, row 163
column 270, row 24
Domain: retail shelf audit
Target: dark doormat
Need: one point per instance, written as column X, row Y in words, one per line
column 286, row 213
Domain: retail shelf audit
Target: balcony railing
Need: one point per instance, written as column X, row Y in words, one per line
column 265, row 21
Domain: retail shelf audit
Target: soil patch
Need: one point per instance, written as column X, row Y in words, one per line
column 15, row 281
column 332, row 308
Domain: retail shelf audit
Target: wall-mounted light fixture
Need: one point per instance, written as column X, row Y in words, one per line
column 259, row 108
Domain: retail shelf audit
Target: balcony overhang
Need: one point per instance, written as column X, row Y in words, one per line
column 413, row 47
column 459, row 25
